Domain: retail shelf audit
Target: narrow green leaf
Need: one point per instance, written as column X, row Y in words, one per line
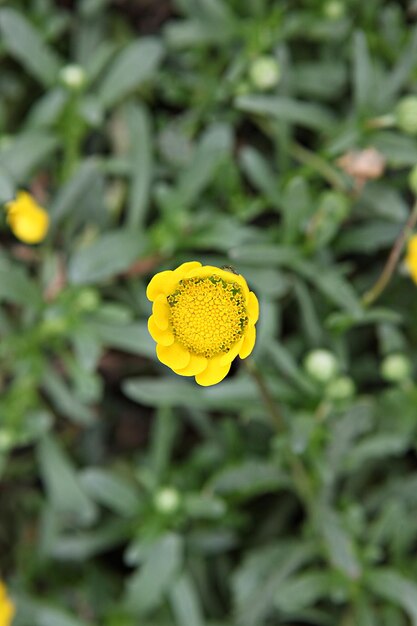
column 105, row 487
column 16, row 286
column 62, row 483
column 147, row 587
column 185, row 603
column 25, row 44
column 26, row 153
column 135, row 64
column 339, row 544
column 306, row 114
column 107, row 256
column 363, row 75
column 141, row 163
column 393, row 586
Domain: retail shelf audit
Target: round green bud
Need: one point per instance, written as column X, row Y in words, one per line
column 167, row 500
column 412, row 180
column 334, row 10
column 321, row 365
column 88, row 300
column 341, row 388
column 396, row 368
column 73, row 77
column 6, row 440
column 406, row 115
column 265, row 72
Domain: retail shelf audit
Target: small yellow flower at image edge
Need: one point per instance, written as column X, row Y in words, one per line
column 411, row 257
column 28, row 221
column 7, row 609
column 203, row 317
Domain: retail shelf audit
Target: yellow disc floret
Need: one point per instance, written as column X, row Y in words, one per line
column 208, row 315
column 202, row 318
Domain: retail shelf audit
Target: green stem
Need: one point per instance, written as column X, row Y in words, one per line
column 392, row 261
column 313, row 160
column 265, row 394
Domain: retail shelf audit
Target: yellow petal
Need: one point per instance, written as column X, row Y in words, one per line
column 162, row 283
column 161, row 311
column 253, row 308
column 184, row 268
column 175, row 356
column 196, row 365
column 213, row 373
column 232, row 354
column 164, row 337
column 248, row 342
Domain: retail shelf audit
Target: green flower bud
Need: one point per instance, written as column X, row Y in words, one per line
column 342, row 388
column 321, row 365
column 406, row 115
column 334, row 10
column 73, row 77
column 167, row 500
column 396, row 368
column 88, row 300
column 265, row 72
column 6, row 440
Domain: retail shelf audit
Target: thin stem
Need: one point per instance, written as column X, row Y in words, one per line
column 392, row 261
column 321, row 166
column 265, row 394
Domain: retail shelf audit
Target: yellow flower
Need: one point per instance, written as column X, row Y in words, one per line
column 202, row 318
column 411, row 257
column 28, row 221
column 7, row 609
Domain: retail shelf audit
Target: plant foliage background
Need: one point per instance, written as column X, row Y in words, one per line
column 131, row 496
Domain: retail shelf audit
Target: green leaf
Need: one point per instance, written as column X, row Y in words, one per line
column 16, row 287
column 7, row 187
column 338, row 543
column 64, row 399
column 132, row 338
column 288, row 367
column 304, row 590
column 399, row 150
column 135, row 64
column 147, row 587
column 363, row 75
column 26, row 153
column 105, row 487
column 210, row 152
column 107, row 256
column 141, row 163
column 331, row 283
column 80, row 196
column 306, row 114
column 25, row 44
column 248, row 479
column 393, row 586
column 82, row 545
column 62, row 483
column 259, row 172
column 162, row 392
column 296, row 201
column 260, row 576
column 185, row 602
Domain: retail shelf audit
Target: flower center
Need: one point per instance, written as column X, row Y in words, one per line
column 208, row 314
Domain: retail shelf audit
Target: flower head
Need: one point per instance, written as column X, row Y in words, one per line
column 411, row 257
column 202, row 318
column 28, row 221
column 7, row 609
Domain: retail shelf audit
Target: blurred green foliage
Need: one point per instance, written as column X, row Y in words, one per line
column 217, row 130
